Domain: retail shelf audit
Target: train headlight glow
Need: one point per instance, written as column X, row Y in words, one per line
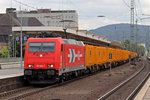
column 52, row 65
column 41, row 55
column 30, row 66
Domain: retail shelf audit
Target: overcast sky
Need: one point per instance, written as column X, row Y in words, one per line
column 115, row 11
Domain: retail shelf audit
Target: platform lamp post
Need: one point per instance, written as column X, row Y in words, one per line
column 101, row 16
column 13, row 11
column 110, row 54
column 21, row 39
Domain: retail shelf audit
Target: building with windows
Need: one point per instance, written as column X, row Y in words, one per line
column 53, row 18
column 9, row 20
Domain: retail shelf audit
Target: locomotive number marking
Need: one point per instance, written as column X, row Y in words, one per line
column 40, row 65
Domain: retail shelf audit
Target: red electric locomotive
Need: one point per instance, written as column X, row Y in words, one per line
column 48, row 60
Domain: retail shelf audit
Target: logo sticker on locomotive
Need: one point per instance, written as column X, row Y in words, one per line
column 73, row 55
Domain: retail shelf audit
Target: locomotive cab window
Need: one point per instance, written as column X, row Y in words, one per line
column 41, row 47
column 61, row 47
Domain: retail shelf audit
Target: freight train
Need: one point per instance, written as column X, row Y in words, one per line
column 49, row 60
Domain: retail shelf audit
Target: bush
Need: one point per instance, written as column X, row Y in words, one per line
column 4, row 53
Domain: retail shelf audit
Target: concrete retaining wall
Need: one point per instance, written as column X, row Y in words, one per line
column 11, row 83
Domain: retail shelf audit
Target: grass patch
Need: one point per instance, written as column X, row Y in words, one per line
column 124, row 72
column 109, row 74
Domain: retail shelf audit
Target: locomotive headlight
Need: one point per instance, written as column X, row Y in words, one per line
column 30, row 66
column 52, row 65
column 41, row 55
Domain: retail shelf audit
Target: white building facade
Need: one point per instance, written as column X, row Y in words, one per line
column 53, row 18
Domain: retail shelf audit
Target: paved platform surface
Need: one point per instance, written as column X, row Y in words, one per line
column 11, row 65
column 144, row 93
column 8, row 73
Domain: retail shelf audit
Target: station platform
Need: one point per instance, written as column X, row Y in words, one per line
column 144, row 93
column 11, row 78
column 9, row 73
column 10, row 65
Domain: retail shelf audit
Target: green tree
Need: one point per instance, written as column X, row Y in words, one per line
column 126, row 44
column 131, row 46
column 116, row 42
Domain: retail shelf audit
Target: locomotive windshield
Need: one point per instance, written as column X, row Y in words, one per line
column 41, row 47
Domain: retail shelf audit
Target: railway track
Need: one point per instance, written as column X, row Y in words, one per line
column 130, row 87
column 24, row 92
column 30, row 90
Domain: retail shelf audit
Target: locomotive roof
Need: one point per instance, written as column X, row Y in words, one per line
column 45, row 39
column 73, row 42
column 66, row 41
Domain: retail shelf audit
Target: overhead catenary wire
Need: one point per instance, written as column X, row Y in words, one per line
column 126, row 3
column 78, row 8
column 139, row 13
column 81, row 12
column 24, row 4
column 140, row 6
column 136, row 12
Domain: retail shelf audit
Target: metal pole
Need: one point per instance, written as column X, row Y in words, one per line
column 148, row 37
column 12, row 33
column 11, row 14
column 136, row 34
column 9, row 38
column 110, row 66
column 131, row 28
column 110, row 59
column 15, row 46
column 21, row 39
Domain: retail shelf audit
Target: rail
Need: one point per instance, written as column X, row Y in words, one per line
column 133, row 94
column 120, row 85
